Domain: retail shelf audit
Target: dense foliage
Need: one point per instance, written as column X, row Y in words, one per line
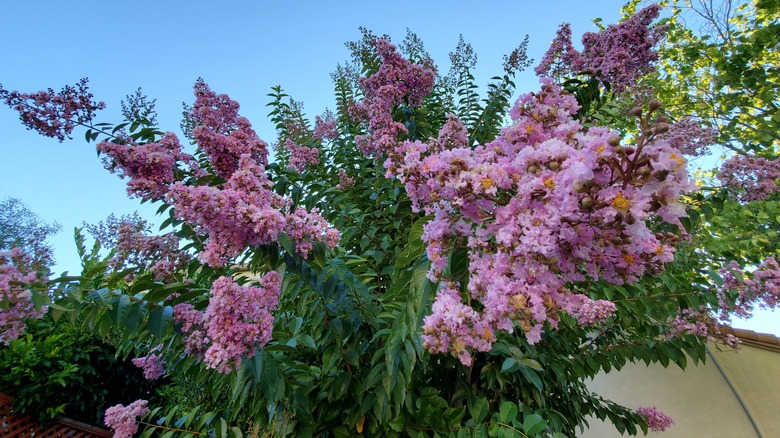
column 415, row 262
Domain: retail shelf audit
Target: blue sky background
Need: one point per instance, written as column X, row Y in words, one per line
column 242, row 48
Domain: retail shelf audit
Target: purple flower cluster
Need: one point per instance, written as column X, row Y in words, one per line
column 149, row 166
column 593, row 312
column 690, row 137
column 344, row 180
column 561, row 57
column 656, row 420
column 301, row 156
column 16, row 300
column 245, row 212
column 134, row 247
column 54, row 114
column 222, row 133
column 763, row 289
column 397, row 82
column 325, row 128
column 236, row 322
column 751, row 178
column 700, row 323
column 620, row 54
column 547, row 204
column 152, row 364
column 122, row 419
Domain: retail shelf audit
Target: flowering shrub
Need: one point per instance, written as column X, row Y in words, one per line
column 410, row 264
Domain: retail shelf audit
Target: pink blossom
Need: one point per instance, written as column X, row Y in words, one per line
column 344, row 180
column 546, row 204
column 325, row 128
column 235, row 323
column 123, row 419
column 751, row 178
column 54, row 114
column 222, row 133
column 152, row 364
column 16, row 299
column 656, row 420
column 590, row 312
column 620, row 54
column 150, row 167
column 760, row 288
column 690, row 137
column 301, row 156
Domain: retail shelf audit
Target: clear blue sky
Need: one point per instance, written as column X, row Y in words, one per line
column 239, row 47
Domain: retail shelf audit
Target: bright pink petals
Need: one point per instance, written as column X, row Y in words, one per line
column 149, row 166
column 15, row 298
column 222, row 133
column 236, row 322
column 123, row 420
column 656, row 420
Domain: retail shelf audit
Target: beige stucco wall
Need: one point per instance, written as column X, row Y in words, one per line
column 700, row 399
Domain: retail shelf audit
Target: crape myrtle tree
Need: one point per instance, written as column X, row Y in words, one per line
column 421, row 261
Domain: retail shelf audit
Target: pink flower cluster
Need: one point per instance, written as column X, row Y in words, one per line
column 15, row 299
column 700, row 323
column 592, row 312
column 152, row 364
column 162, row 252
column 325, row 128
column 620, row 54
column 397, row 82
column 763, row 289
column 222, row 133
column 245, row 212
column 547, row 204
column 301, row 156
column 344, row 180
column 149, row 166
column 54, row 114
column 656, row 420
column 236, row 322
column 751, row 178
column 690, row 137
column 122, row 419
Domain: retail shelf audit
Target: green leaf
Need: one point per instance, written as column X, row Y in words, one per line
column 507, row 412
column 159, row 320
column 533, row 424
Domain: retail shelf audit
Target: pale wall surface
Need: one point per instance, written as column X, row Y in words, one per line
column 700, row 400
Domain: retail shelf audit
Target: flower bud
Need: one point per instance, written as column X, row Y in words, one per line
column 635, row 111
column 587, row 202
column 614, row 141
column 654, row 105
column 661, row 128
column 554, row 165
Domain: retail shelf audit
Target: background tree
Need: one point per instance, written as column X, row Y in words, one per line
column 20, row 227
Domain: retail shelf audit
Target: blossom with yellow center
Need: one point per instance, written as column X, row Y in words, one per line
column 600, row 149
column 486, row 183
column 529, row 129
column 680, row 161
column 621, row 203
column 458, row 346
column 549, row 183
column 628, row 258
column 488, row 335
